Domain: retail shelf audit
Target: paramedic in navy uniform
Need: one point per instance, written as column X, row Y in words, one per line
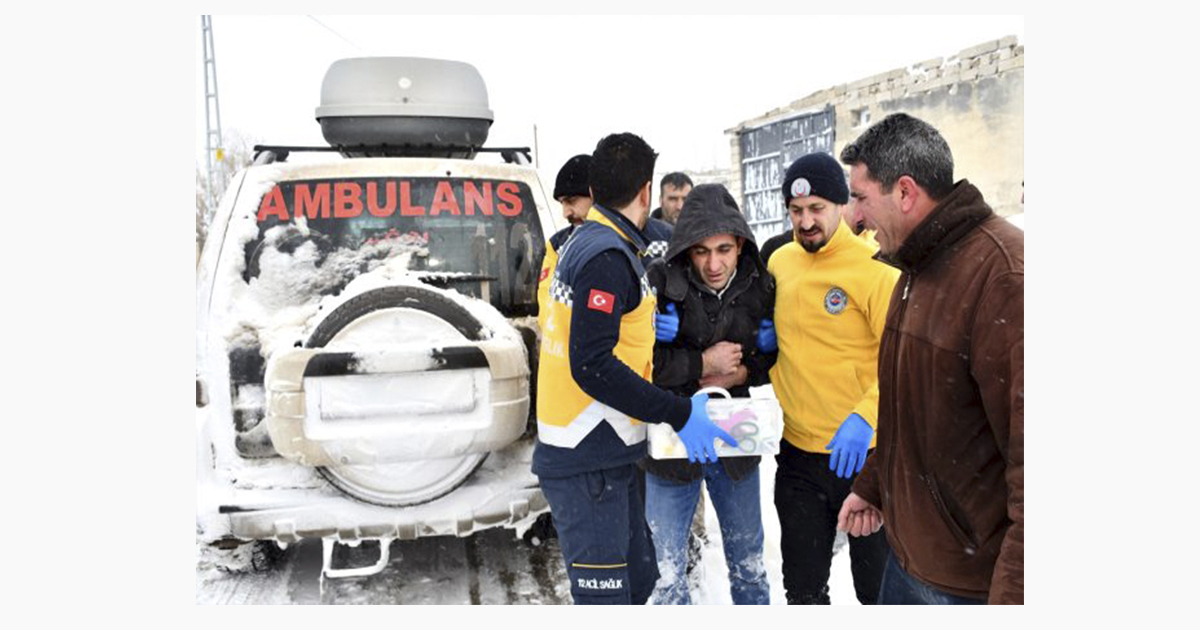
column 594, row 390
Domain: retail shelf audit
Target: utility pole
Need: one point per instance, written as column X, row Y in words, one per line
column 212, row 117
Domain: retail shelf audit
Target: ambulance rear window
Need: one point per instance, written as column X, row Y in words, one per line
column 480, row 237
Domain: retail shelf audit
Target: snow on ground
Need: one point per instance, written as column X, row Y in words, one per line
column 492, row 566
column 713, row 586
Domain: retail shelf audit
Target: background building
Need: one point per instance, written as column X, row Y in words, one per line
column 975, row 98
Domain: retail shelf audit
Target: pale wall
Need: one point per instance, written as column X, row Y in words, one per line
column 976, row 99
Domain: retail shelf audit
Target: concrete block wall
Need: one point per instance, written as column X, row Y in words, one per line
column 975, row 98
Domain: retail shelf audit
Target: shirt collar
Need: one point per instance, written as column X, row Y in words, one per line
column 619, row 223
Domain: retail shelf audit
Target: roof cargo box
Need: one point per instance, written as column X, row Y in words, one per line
column 404, row 106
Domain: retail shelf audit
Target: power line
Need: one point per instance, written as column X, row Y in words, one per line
column 342, row 37
column 212, row 118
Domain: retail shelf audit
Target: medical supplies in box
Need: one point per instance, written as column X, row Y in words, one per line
column 756, row 423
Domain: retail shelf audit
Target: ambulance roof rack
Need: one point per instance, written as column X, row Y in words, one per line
column 268, row 154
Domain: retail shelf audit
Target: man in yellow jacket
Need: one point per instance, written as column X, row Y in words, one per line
column 831, row 302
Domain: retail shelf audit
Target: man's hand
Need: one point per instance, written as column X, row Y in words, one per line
column 849, row 446
column 700, row 432
column 859, row 518
column 666, row 325
column 721, row 359
column 727, row 381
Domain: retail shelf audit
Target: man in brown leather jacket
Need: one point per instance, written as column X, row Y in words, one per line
column 948, row 474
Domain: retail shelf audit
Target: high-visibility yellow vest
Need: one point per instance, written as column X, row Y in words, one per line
column 565, row 413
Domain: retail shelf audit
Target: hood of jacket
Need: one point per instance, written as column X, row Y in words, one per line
column 709, row 210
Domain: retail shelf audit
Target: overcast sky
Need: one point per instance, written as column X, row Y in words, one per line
column 679, row 82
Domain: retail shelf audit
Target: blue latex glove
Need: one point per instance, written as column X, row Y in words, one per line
column 700, row 431
column 766, row 336
column 666, row 325
column 849, row 446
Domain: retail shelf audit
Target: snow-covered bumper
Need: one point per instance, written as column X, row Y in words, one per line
column 328, row 408
column 490, row 499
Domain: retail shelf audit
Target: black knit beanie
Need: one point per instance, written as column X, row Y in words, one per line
column 572, row 180
column 816, row 174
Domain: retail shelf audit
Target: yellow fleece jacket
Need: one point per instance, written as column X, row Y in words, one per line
column 830, row 308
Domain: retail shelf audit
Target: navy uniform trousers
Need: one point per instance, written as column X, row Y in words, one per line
column 606, row 545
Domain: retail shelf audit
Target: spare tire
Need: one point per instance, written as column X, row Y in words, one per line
column 407, row 297
column 373, row 317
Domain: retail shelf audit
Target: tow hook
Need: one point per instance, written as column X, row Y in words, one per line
column 327, row 571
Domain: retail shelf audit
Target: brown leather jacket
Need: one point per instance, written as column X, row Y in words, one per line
column 949, row 469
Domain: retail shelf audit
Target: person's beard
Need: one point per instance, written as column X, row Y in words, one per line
column 811, row 247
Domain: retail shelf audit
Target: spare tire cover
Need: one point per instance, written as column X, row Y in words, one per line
column 412, row 313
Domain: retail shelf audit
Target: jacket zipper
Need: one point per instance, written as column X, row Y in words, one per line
column 896, row 348
column 891, row 446
column 969, row 546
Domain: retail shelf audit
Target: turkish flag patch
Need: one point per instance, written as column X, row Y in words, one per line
column 545, row 273
column 600, row 301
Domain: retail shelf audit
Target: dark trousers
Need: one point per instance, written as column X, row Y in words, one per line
column 808, row 497
column 602, row 530
column 901, row 588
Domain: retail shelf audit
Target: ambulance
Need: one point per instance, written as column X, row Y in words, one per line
column 366, row 325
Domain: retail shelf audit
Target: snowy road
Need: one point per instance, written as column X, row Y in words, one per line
column 488, row 568
column 491, row 567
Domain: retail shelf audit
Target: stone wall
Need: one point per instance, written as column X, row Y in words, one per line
column 975, row 99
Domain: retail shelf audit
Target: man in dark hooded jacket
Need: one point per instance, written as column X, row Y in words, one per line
column 713, row 293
